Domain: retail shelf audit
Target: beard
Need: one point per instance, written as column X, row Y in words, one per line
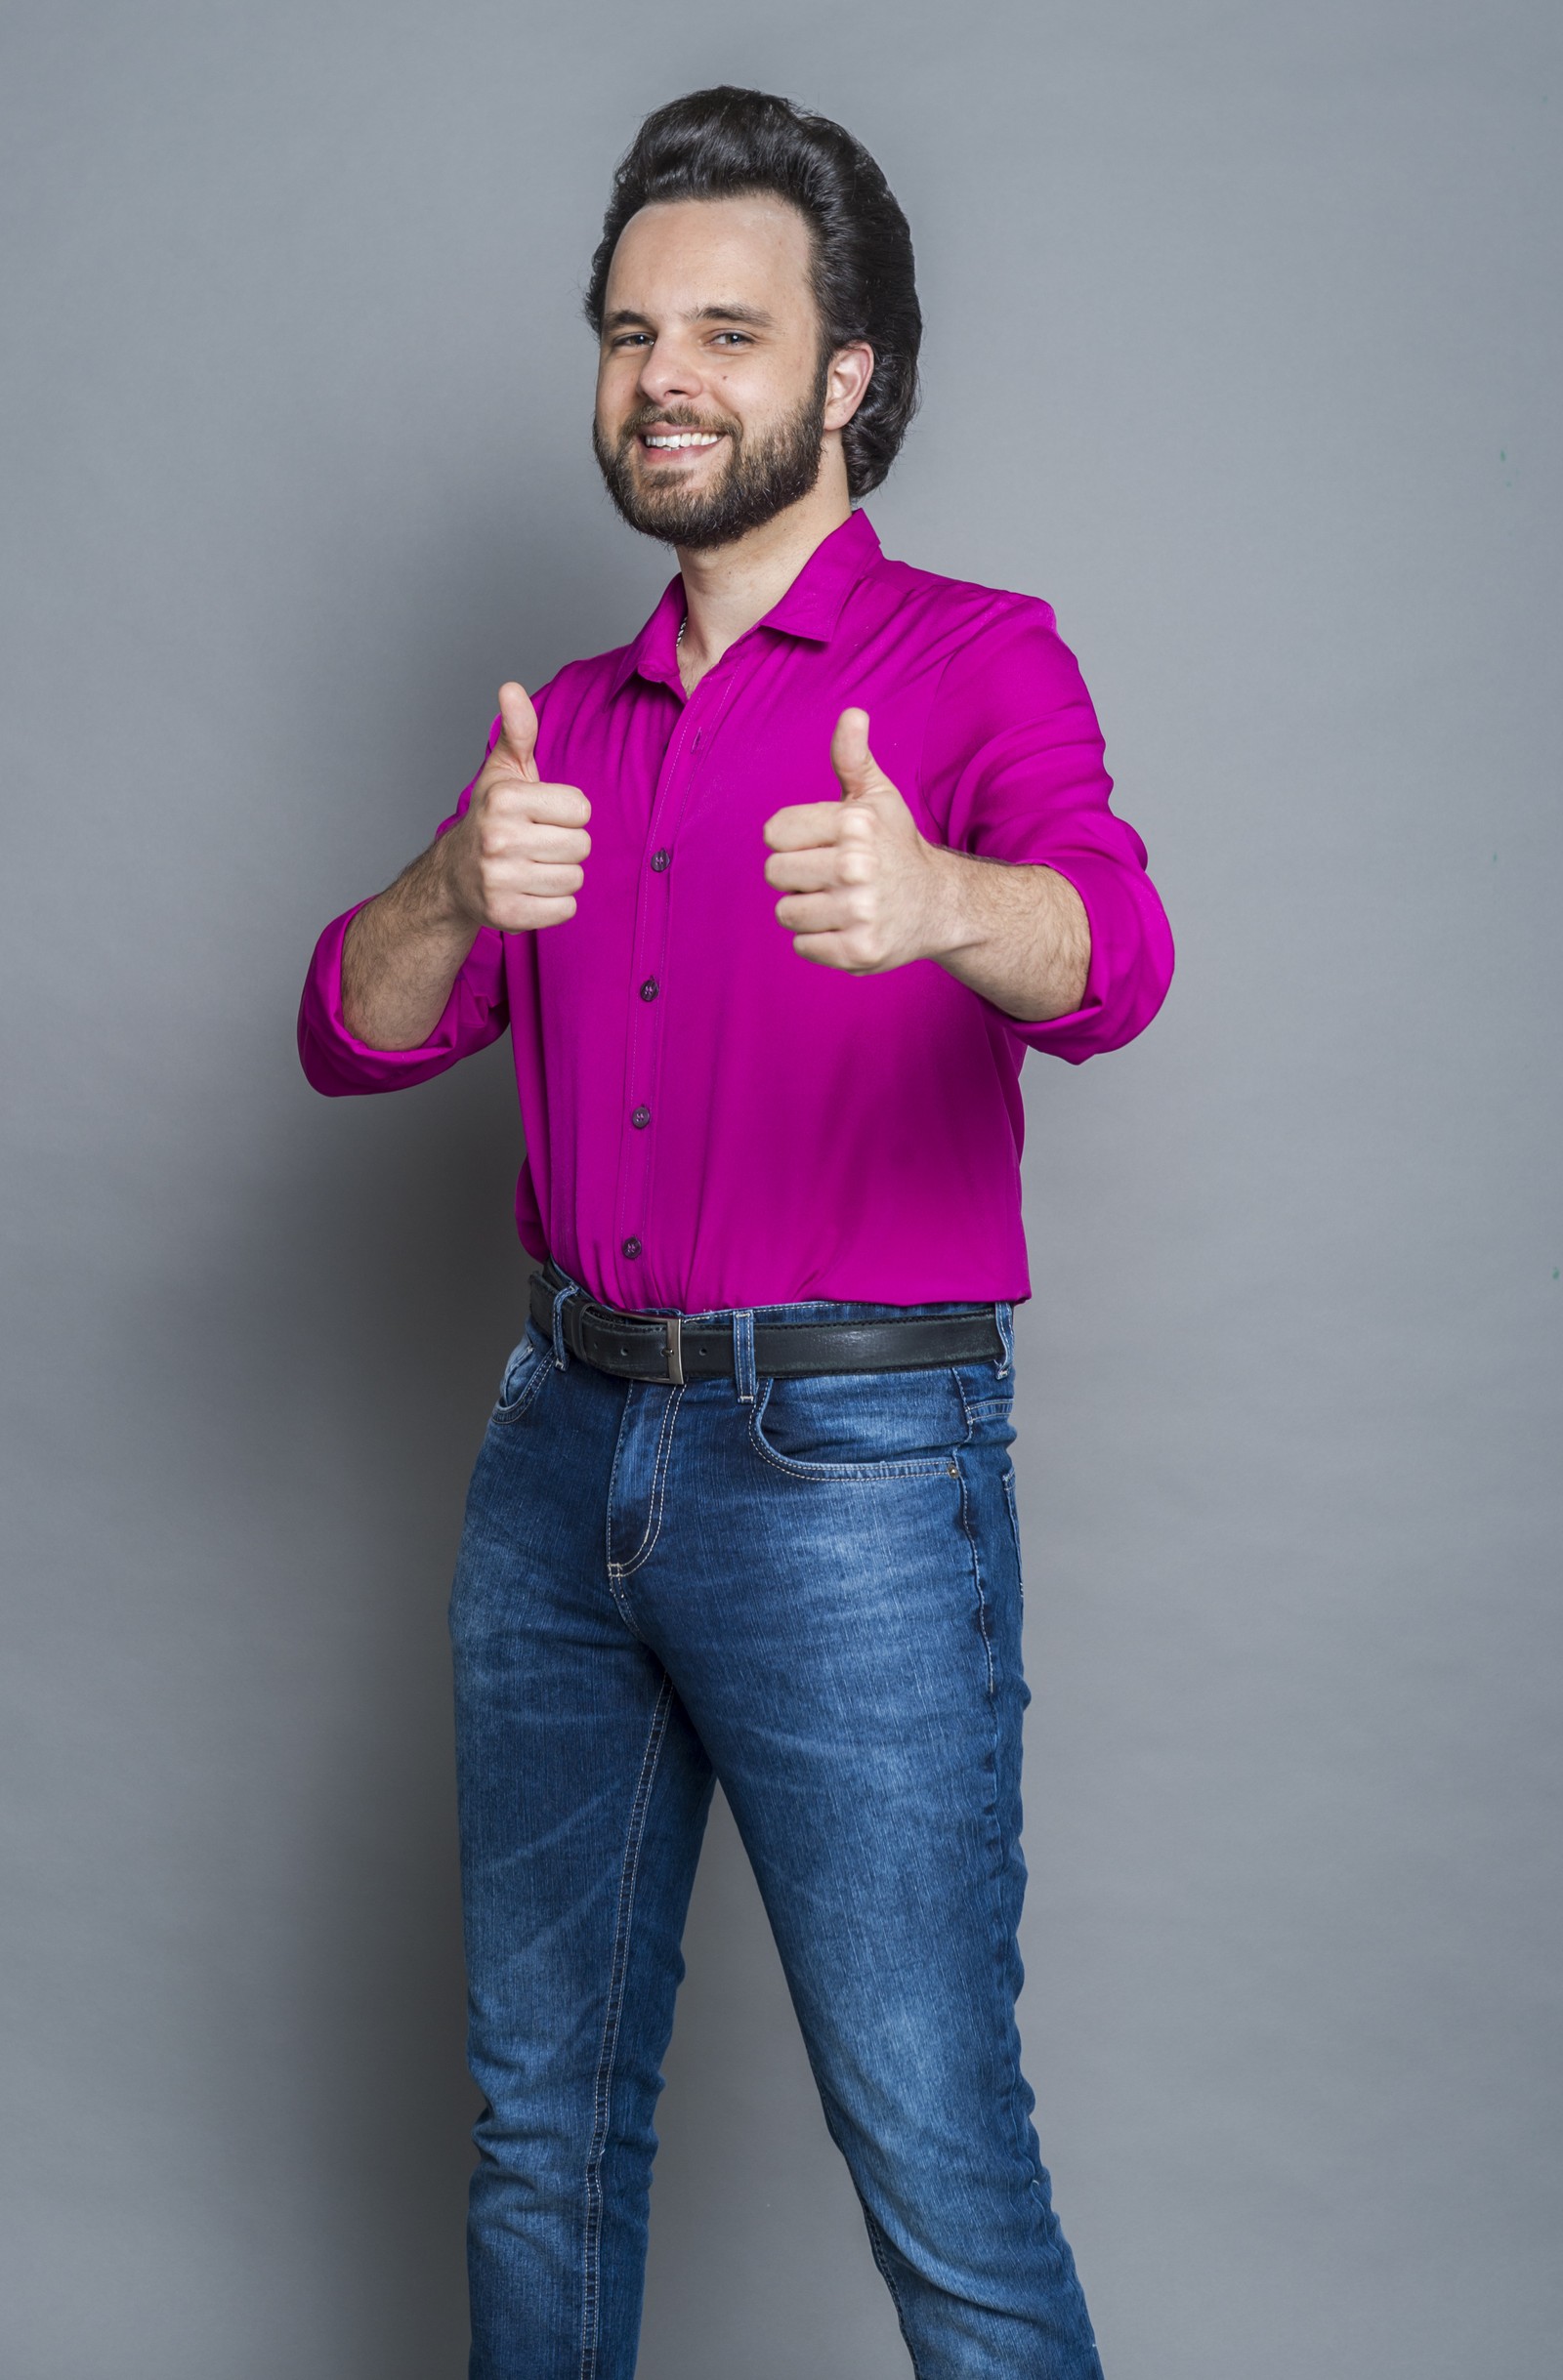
column 764, row 474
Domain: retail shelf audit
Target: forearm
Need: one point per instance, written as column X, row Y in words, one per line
column 401, row 954
column 1017, row 934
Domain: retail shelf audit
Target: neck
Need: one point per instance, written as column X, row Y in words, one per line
column 728, row 588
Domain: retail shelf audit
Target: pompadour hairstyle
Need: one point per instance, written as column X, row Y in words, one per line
column 725, row 141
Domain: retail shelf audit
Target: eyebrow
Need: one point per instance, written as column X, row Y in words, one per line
column 624, row 317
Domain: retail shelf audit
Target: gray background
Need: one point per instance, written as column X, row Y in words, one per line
column 1242, row 351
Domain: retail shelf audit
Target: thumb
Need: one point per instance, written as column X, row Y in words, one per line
column 518, row 735
column 850, row 757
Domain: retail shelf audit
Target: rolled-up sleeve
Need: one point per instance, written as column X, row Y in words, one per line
column 477, row 1012
column 1013, row 763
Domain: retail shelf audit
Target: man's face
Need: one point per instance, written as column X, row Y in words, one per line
column 713, row 392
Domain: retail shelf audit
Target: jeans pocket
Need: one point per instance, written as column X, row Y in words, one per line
column 1014, row 1526
column 526, row 1367
column 859, row 1425
column 987, row 1399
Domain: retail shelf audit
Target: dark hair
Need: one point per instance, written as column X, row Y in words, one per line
column 721, row 142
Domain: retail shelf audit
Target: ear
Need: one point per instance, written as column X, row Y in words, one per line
column 846, row 383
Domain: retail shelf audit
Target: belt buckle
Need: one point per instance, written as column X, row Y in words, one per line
column 673, row 1336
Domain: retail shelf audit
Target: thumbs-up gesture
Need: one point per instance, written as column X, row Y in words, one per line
column 516, row 860
column 864, row 889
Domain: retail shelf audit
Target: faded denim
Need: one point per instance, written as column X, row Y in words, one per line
column 811, row 1590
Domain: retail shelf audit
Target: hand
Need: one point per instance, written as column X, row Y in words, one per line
column 516, row 860
column 865, row 891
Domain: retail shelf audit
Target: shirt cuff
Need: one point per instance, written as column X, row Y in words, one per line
column 1128, row 973
column 336, row 1063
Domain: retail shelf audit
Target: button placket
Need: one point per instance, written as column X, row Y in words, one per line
column 649, row 963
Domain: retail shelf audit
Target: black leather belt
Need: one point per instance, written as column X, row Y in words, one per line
column 673, row 1347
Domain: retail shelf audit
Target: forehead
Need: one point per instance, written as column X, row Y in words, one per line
column 682, row 254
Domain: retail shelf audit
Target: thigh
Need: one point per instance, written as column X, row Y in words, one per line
column 573, row 1754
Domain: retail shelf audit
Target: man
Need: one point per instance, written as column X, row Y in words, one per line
column 772, row 900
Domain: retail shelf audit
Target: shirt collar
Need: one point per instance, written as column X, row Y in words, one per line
column 810, row 609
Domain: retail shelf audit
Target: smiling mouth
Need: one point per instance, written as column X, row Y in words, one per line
column 678, row 441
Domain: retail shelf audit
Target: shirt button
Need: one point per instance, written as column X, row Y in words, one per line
column 641, row 1118
column 659, row 860
column 649, row 988
column 631, row 1246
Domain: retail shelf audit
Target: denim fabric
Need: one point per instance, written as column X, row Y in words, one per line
column 811, row 1590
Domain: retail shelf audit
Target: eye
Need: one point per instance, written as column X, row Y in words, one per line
column 631, row 338
column 739, row 338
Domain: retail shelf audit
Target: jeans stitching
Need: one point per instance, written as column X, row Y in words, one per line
column 612, row 1483
column 523, row 1402
column 601, row 2099
column 878, row 2247
column 744, row 1373
column 984, row 1409
column 661, row 1467
column 1014, row 1528
column 982, row 1599
column 1002, row 1935
column 934, row 1467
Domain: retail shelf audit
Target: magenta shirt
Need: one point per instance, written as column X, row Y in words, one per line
column 710, row 1119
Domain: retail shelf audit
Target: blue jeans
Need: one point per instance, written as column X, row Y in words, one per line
column 809, row 1588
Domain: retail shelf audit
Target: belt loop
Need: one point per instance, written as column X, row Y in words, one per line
column 562, row 1299
column 743, row 1354
column 1005, row 1317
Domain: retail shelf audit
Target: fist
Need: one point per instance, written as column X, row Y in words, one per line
column 863, row 887
column 517, row 858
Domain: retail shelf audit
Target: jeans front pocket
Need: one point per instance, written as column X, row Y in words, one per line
column 859, row 1425
column 1014, row 1524
column 526, row 1367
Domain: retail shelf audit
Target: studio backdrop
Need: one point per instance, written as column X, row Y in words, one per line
column 1242, row 350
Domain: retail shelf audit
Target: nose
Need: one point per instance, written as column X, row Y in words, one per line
column 669, row 374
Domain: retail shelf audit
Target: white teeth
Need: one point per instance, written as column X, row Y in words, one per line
column 683, row 437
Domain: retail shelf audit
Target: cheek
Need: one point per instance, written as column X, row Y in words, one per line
column 617, row 392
